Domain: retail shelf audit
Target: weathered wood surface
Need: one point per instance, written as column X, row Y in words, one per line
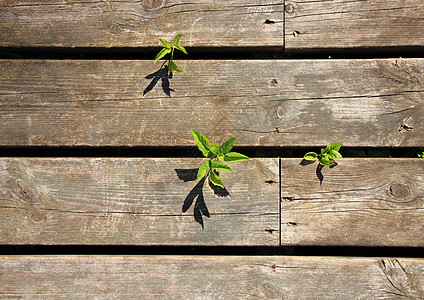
column 340, row 24
column 376, row 102
column 210, row 277
column 122, row 23
column 135, row 202
column 308, row 24
column 361, row 202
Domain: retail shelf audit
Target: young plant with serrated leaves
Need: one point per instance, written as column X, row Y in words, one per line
column 218, row 155
column 167, row 48
column 327, row 156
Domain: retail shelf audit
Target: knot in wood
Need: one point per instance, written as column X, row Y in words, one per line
column 282, row 110
column 115, row 28
column 289, row 8
column 399, row 190
column 152, row 4
column 274, row 82
column 38, row 217
column 24, row 192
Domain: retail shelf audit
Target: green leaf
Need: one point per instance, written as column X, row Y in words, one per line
column 214, row 151
column 203, row 169
column 202, row 142
column 421, row 155
column 173, row 67
column 227, row 145
column 177, row 39
column 333, row 146
column 333, row 154
column 181, row 48
column 162, row 53
column 232, row 157
column 326, row 161
column 215, row 179
column 165, row 44
column 310, row 156
column 219, row 166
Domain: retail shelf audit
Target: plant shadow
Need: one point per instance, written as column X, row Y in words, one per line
column 200, row 209
column 318, row 170
column 162, row 74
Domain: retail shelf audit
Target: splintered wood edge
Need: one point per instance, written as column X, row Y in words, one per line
column 211, row 277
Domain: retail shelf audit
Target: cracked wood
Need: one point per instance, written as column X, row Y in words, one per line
column 55, row 23
column 210, row 277
column 128, row 201
column 361, row 202
column 371, row 103
column 341, row 24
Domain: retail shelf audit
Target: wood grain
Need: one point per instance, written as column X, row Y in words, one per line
column 340, row 24
column 376, row 102
column 123, row 23
column 361, row 202
column 113, row 201
column 210, row 277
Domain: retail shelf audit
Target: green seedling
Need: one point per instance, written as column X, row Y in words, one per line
column 421, row 154
column 327, row 155
column 218, row 155
column 167, row 48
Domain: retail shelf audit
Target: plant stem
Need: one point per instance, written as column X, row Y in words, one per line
column 172, row 53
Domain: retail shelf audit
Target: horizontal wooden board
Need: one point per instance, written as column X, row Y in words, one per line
column 361, row 202
column 113, row 201
column 122, row 23
column 341, row 24
column 210, row 277
column 376, row 102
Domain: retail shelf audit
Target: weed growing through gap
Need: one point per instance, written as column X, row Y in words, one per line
column 215, row 153
column 167, row 48
column 327, row 155
column 421, row 154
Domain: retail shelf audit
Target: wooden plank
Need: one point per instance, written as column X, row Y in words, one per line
column 210, row 277
column 340, row 24
column 122, row 23
column 361, row 202
column 377, row 102
column 110, row 201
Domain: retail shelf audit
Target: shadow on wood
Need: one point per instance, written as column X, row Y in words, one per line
column 318, row 171
column 161, row 74
column 200, row 208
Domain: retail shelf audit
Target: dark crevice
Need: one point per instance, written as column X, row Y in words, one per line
column 205, row 53
column 417, row 252
column 192, row 151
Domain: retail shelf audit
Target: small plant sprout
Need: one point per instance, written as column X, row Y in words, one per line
column 421, row 154
column 167, row 48
column 327, row 155
column 218, row 155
